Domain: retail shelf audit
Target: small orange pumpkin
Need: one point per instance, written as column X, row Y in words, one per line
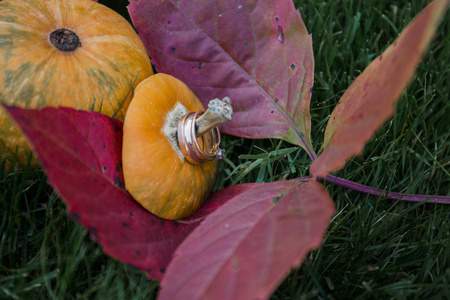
column 157, row 174
column 75, row 53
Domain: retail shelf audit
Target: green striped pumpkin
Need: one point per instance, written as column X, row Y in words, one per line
column 75, row 53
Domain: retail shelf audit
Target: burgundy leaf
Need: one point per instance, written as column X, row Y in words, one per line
column 256, row 52
column 370, row 100
column 81, row 154
column 244, row 249
column 66, row 139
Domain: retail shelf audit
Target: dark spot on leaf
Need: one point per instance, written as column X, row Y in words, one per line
column 192, row 67
column 104, row 168
column 280, row 36
column 200, row 65
column 137, row 252
column 168, row 22
column 104, row 146
column 75, row 216
column 161, row 221
column 272, row 111
column 310, row 90
column 116, row 127
column 276, row 100
column 131, row 214
column 292, row 67
column 93, row 123
column 125, row 224
column 173, row 48
column 175, row 223
column 94, row 234
column 276, row 199
column 381, row 57
column 276, row 19
column 118, row 182
column 246, row 43
column 162, row 270
column 334, row 118
column 153, row 221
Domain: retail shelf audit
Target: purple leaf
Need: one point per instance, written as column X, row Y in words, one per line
column 256, row 52
column 246, row 248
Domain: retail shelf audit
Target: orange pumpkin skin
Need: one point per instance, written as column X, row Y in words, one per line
column 34, row 73
column 155, row 174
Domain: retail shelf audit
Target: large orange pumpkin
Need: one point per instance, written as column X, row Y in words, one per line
column 75, row 53
column 156, row 172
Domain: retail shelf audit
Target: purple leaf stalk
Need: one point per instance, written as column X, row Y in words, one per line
column 370, row 190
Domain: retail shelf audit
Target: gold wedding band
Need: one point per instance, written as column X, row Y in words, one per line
column 190, row 145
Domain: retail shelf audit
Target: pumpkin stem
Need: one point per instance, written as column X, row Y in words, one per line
column 197, row 150
column 218, row 112
column 65, row 40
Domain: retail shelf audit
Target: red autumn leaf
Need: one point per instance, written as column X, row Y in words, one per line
column 256, row 52
column 245, row 249
column 370, row 100
column 81, row 155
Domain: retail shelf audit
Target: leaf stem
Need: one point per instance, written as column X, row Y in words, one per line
column 378, row 192
column 311, row 152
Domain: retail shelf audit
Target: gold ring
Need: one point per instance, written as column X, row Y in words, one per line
column 189, row 143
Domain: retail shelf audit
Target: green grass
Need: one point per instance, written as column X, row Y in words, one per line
column 375, row 248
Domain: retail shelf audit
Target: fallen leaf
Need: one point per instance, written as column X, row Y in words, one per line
column 81, row 155
column 246, row 248
column 256, row 52
column 370, row 100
